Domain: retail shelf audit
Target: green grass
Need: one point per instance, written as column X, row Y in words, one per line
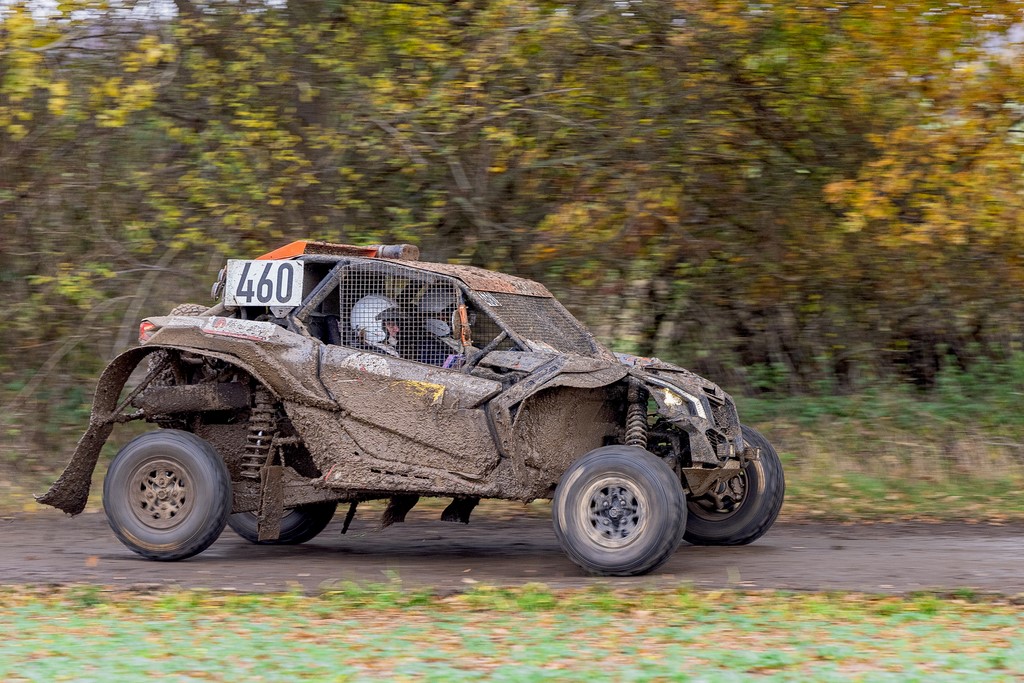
column 895, row 452
column 527, row 634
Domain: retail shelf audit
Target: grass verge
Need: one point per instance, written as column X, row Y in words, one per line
column 530, row 633
column 898, row 455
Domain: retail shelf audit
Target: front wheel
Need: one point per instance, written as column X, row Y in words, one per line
column 298, row 525
column 167, row 495
column 619, row 511
column 748, row 504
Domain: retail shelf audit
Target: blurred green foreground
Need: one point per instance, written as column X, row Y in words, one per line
column 525, row 634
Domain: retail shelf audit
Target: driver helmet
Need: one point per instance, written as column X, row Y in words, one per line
column 369, row 315
column 437, row 305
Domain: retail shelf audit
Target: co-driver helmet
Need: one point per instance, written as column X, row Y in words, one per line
column 369, row 314
column 438, row 304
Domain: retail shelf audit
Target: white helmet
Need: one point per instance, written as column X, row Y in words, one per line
column 369, row 314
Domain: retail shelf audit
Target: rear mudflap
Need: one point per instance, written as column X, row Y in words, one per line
column 71, row 490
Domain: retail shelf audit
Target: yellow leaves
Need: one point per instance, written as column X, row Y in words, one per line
column 59, row 89
column 254, row 121
column 18, row 23
column 17, row 131
column 942, row 180
column 350, row 174
column 838, row 191
column 149, row 52
column 21, row 66
column 571, row 218
column 126, row 99
column 75, row 284
column 111, row 88
column 306, row 92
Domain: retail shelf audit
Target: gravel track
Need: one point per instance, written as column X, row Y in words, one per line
column 47, row 547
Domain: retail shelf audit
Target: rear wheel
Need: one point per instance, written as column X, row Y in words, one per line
column 167, row 495
column 619, row 511
column 746, row 506
column 298, row 525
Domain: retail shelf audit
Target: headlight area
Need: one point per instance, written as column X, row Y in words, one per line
column 682, row 432
column 674, row 399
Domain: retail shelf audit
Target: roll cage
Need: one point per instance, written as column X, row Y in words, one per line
column 508, row 317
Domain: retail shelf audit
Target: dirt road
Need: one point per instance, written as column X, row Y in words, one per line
column 49, row 548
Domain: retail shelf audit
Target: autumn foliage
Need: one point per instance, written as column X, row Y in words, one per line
column 796, row 194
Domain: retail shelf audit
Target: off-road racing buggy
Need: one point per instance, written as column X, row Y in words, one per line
column 334, row 374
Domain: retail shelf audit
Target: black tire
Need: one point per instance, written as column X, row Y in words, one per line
column 619, row 511
column 764, row 489
column 298, row 525
column 167, row 495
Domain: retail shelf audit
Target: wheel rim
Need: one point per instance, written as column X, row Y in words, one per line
column 725, row 499
column 613, row 511
column 160, row 493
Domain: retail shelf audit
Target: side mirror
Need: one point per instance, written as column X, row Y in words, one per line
column 218, row 286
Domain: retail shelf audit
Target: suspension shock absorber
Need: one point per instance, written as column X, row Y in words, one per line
column 262, row 428
column 636, row 415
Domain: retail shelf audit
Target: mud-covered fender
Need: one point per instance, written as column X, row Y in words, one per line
column 71, row 490
column 285, row 362
column 547, row 371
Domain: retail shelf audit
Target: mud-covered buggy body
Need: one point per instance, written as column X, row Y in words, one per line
column 335, row 374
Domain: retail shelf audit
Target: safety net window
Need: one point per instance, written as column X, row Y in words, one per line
column 542, row 321
column 384, row 308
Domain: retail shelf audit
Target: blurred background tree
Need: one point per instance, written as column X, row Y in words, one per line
column 797, row 197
